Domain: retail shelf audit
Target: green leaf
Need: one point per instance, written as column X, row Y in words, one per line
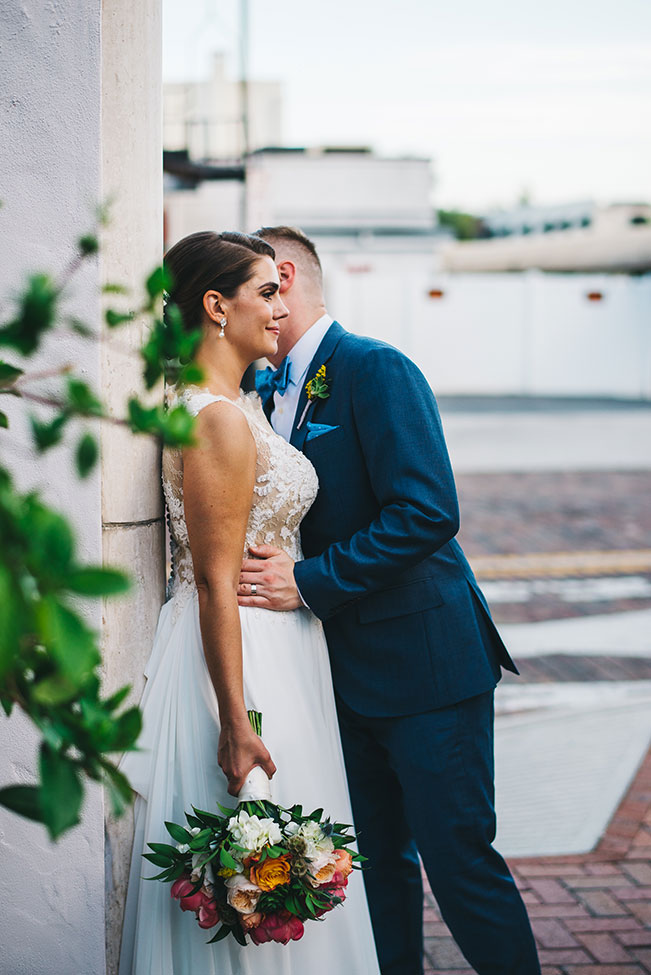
column 61, row 791
column 88, row 245
column 4, row 420
column 72, row 644
column 13, row 619
column 126, row 730
column 24, row 800
column 114, row 318
column 178, row 833
column 199, row 841
column 119, row 789
column 239, row 935
column 158, row 859
column 8, row 374
column 115, row 700
column 158, row 281
column 54, row 690
column 47, row 435
column 114, row 289
column 165, row 849
column 50, row 543
column 35, row 316
column 81, row 328
column 97, row 581
column 224, row 809
column 191, row 375
column 227, row 860
column 222, row 933
column 175, row 427
column 86, row 454
column 81, row 399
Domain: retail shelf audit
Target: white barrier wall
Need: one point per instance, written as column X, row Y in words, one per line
column 507, row 334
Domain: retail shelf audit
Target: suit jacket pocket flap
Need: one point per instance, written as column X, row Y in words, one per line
column 412, row 597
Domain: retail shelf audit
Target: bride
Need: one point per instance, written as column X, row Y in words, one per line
column 240, row 485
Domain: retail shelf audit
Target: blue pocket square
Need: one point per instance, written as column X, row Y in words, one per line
column 318, row 429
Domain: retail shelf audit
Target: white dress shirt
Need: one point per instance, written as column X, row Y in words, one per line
column 300, row 357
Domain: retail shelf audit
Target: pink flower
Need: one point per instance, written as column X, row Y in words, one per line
column 201, row 903
column 208, row 916
column 182, row 891
column 181, row 887
column 336, row 892
column 282, row 927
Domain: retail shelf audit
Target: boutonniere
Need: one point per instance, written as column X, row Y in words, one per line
column 317, row 388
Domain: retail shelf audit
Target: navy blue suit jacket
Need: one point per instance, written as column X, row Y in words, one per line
column 407, row 626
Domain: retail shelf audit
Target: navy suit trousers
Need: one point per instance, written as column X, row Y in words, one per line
column 423, row 784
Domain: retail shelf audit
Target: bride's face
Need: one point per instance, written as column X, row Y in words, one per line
column 254, row 312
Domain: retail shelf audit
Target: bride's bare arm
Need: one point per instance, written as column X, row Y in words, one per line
column 218, row 480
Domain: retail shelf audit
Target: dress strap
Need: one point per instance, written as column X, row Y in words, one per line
column 195, row 400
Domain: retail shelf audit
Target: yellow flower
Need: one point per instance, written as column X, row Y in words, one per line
column 317, row 387
column 271, row 873
column 226, row 872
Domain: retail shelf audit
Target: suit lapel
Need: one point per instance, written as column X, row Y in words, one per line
column 324, row 352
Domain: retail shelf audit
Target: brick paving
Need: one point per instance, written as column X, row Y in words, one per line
column 567, row 511
column 598, row 523
column 591, row 914
column 559, row 668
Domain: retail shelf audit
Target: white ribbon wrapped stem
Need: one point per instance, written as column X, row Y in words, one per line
column 257, row 786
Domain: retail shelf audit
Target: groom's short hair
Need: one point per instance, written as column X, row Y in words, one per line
column 297, row 241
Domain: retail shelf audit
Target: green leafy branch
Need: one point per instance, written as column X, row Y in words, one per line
column 49, row 656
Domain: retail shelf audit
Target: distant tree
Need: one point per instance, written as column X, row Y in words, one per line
column 49, row 657
column 465, row 226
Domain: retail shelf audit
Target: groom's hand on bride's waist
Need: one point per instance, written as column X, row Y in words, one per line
column 267, row 580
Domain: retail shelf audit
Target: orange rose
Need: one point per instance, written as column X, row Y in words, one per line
column 344, row 862
column 271, row 873
column 250, row 921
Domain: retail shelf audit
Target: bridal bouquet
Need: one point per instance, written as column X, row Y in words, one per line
column 260, row 869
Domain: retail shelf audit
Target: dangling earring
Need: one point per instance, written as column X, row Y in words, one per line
column 222, row 325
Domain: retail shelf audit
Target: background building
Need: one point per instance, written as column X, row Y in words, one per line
column 205, row 117
column 569, row 237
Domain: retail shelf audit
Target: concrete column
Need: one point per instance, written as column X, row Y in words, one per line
column 132, row 510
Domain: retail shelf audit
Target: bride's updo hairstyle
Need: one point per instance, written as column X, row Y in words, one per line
column 207, row 261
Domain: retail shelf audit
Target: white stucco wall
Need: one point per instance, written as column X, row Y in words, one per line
column 52, row 919
column 80, row 120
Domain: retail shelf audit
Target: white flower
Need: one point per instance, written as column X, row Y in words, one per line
column 316, row 841
column 182, row 847
column 322, row 868
column 195, row 831
column 242, row 894
column 199, row 861
column 253, row 833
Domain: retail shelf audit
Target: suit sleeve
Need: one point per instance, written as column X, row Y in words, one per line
column 404, row 449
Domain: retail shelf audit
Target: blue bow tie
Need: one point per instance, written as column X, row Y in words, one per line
column 268, row 381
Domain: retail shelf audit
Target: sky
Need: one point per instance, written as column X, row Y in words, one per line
column 551, row 100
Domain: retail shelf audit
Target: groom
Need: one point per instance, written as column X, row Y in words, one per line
column 415, row 656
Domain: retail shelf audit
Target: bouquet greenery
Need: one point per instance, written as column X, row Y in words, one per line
column 260, row 869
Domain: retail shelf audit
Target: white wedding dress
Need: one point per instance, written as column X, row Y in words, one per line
column 287, row 678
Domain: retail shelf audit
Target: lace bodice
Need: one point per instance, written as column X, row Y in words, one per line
column 285, row 486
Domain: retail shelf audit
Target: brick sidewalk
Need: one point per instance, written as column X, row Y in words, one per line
column 591, row 914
